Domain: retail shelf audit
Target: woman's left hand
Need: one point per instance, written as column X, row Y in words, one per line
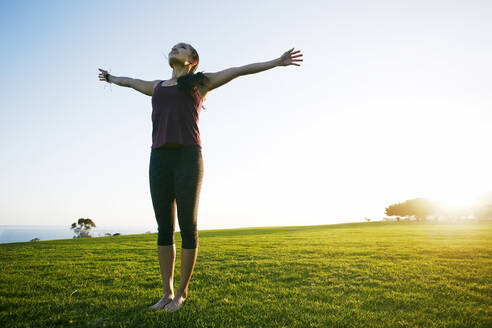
column 288, row 59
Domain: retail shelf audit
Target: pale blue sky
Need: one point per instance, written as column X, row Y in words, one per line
column 392, row 101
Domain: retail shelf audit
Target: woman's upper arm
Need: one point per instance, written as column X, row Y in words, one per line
column 145, row 87
column 217, row 79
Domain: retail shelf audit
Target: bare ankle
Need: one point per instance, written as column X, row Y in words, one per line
column 182, row 294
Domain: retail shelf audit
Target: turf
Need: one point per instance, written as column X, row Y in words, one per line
column 372, row 274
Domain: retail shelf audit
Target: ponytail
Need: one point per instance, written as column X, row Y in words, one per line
column 189, row 83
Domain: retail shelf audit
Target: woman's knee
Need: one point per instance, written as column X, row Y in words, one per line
column 165, row 238
column 189, row 239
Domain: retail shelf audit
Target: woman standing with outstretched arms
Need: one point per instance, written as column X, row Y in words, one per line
column 176, row 163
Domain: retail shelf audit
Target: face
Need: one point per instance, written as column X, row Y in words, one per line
column 180, row 52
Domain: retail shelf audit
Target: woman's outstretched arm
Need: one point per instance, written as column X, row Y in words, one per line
column 217, row 79
column 145, row 87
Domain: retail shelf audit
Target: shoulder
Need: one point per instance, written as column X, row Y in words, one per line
column 209, row 76
column 157, row 82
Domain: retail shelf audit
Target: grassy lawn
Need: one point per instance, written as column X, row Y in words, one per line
column 376, row 274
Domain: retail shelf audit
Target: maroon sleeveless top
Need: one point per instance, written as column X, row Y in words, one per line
column 175, row 116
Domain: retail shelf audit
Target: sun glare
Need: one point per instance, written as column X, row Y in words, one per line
column 455, row 198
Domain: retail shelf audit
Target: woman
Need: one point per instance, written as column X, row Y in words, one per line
column 176, row 164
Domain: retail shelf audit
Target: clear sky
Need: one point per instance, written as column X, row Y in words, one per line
column 392, row 101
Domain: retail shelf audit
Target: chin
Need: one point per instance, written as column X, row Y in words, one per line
column 179, row 60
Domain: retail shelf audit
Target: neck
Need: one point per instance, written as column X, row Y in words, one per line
column 180, row 70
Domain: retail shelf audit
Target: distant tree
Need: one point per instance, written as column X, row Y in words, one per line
column 35, row 239
column 397, row 209
column 420, row 208
column 82, row 228
column 107, row 234
column 367, row 219
column 116, row 234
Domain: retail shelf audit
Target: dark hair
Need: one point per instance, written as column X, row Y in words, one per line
column 189, row 83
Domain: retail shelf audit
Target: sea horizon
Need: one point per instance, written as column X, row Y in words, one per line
column 12, row 233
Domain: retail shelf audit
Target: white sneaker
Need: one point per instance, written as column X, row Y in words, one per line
column 162, row 302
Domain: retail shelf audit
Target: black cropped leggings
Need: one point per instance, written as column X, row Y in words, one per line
column 175, row 176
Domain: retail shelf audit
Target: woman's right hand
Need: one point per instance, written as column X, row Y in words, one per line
column 103, row 74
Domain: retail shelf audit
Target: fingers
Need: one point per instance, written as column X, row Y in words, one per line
column 103, row 72
column 292, row 57
column 103, row 75
column 291, row 50
column 294, row 54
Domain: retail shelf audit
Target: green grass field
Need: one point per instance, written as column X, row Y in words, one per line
column 376, row 274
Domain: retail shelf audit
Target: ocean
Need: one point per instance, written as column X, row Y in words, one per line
column 23, row 233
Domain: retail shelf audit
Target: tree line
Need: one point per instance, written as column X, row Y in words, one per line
column 422, row 208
